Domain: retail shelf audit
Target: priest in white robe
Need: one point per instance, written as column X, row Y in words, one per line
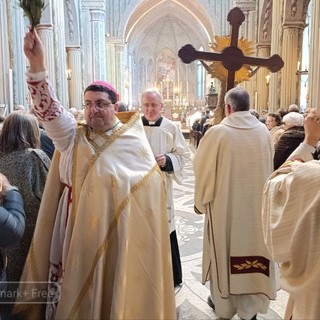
column 171, row 153
column 101, row 238
column 231, row 165
column 291, row 220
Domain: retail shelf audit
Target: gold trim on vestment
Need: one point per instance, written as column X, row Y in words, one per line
column 104, row 246
column 73, row 176
column 34, row 268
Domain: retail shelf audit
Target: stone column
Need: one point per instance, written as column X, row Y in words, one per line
column 4, row 56
column 74, row 85
column 45, row 32
column 262, row 80
column 119, row 51
column 274, row 87
column 247, row 33
column 288, row 92
column 86, row 45
column 116, row 63
column 16, row 32
column 111, row 58
column 130, row 79
column 98, row 43
column 60, row 51
column 314, row 64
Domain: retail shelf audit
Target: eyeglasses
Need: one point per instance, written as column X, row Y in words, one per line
column 99, row 104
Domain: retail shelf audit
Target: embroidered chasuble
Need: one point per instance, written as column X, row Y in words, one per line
column 103, row 236
column 291, row 203
column 231, row 165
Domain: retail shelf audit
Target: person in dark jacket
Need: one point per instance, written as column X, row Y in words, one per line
column 12, row 225
column 204, row 118
column 290, row 139
column 12, row 215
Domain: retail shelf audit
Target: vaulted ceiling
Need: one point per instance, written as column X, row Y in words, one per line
column 169, row 24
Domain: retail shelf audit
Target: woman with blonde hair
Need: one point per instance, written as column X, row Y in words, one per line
column 26, row 167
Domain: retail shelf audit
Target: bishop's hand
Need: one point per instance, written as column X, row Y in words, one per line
column 312, row 128
column 34, row 51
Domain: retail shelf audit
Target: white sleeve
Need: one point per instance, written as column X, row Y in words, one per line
column 303, row 152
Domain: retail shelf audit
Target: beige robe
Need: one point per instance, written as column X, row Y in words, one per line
column 232, row 163
column 291, row 207
column 116, row 249
column 276, row 133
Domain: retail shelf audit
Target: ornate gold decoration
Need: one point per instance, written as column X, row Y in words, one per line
column 216, row 68
column 250, row 264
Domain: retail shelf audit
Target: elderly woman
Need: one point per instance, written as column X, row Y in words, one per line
column 274, row 124
column 26, row 167
column 292, row 136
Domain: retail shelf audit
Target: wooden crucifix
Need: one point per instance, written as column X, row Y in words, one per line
column 232, row 58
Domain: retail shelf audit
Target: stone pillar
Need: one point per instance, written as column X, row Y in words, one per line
column 247, row 33
column 288, row 92
column 74, row 85
column 251, row 36
column 262, row 92
column 16, row 30
column 60, row 51
column 274, row 87
column 119, row 65
column 130, row 79
column 116, row 64
column 111, row 58
column 45, row 32
column 4, row 56
column 314, row 64
column 98, row 43
column 86, row 45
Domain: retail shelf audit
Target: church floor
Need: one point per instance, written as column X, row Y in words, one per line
column 191, row 297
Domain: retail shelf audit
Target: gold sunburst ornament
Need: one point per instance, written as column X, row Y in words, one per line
column 217, row 70
column 33, row 10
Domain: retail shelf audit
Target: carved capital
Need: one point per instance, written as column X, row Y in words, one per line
column 94, row 4
column 247, row 5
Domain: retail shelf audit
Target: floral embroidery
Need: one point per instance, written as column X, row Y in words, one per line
column 46, row 104
column 250, row 264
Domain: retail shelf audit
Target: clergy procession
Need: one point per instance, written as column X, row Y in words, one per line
column 152, row 168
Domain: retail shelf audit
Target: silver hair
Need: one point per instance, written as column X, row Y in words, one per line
column 152, row 91
column 293, row 119
column 238, row 99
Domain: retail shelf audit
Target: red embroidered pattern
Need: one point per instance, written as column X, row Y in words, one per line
column 46, row 104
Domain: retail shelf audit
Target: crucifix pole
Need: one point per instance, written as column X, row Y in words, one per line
column 235, row 18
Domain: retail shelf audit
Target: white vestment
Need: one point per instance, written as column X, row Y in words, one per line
column 291, row 207
column 232, row 163
column 167, row 139
column 104, row 236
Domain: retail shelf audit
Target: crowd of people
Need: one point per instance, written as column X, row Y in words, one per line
column 87, row 207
